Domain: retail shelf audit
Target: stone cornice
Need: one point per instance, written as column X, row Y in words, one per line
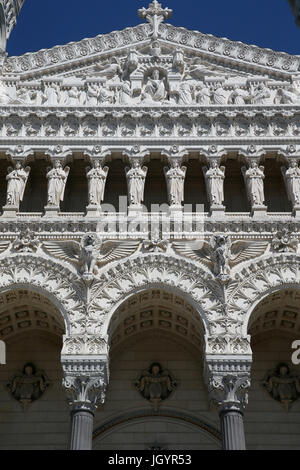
column 84, row 128
column 221, row 50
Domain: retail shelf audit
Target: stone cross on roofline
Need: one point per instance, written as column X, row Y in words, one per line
column 155, row 15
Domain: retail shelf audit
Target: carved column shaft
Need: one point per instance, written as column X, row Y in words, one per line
column 232, row 429
column 81, row 430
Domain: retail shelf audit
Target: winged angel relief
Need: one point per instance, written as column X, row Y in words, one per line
column 91, row 253
column 220, row 254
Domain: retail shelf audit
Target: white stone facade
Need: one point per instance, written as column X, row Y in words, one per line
column 208, row 129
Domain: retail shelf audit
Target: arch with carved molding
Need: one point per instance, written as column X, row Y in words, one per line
column 61, row 286
column 120, row 421
column 153, row 271
column 260, row 279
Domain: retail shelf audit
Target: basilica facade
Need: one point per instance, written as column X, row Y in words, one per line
column 149, row 242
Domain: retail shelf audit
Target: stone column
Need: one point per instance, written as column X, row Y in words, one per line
column 85, row 381
column 228, row 381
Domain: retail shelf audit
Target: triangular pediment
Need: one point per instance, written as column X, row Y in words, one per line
column 153, row 63
column 218, row 55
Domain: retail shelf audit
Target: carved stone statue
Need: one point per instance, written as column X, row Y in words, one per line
column 136, row 177
column 254, row 179
column 73, row 96
column 16, row 184
column 57, row 179
column 51, row 95
column 91, row 253
column 90, row 247
column 287, row 96
column 203, row 95
column 125, row 93
column 4, row 95
column 29, row 385
column 109, row 70
column 185, row 96
column 156, row 384
column 220, row 254
column 260, row 95
column 92, row 92
column 218, row 95
column 154, row 89
column 105, row 96
column 96, row 182
column 26, row 242
column 284, row 242
column 239, row 96
column 175, row 177
column 291, row 178
column 214, row 179
column 282, row 385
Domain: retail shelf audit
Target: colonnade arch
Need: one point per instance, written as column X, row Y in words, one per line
column 156, row 324
column 32, row 327
column 274, row 324
column 204, row 434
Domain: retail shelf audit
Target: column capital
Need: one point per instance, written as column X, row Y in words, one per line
column 85, row 381
column 228, row 381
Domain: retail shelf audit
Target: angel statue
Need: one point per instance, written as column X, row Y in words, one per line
column 96, row 182
column 287, row 96
column 91, row 253
column 175, row 177
column 16, row 183
column 282, row 385
column 220, row 254
column 291, row 178
column 214, row 179
column 57, row 179
column 254, row 179
column 156, row 384
column 28, row 385
column 109, row 70
column 136, row 176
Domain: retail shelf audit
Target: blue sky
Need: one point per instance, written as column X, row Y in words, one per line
column 45, row 23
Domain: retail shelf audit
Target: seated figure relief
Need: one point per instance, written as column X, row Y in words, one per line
column 154, row 90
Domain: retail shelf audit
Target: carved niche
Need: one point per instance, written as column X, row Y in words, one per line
column 156, row 384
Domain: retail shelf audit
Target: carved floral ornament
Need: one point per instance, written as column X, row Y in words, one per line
column 53, row 280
